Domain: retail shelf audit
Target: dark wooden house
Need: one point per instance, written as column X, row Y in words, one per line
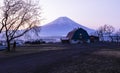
column 78, row 36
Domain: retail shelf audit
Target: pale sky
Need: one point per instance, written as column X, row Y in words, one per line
column 90, row 13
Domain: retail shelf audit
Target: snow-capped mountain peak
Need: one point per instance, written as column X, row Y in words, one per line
column 61, row 26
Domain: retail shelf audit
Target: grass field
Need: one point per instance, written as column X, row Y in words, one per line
column 97, row 58
column 29, row 49
column 106, row 59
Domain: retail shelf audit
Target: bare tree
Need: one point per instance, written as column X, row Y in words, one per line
column 17, row 15
column 105, row 31
column 117, row 37
column 109, row 31
column 100, row 32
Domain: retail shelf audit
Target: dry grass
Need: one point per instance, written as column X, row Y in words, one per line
column 29, row 49
column 104, row 59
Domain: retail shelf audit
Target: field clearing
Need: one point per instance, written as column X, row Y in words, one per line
column 62, row 58
column 29, row 49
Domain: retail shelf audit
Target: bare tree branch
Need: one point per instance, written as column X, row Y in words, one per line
column 17, row 15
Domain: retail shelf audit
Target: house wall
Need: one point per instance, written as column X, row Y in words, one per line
column 81, row 35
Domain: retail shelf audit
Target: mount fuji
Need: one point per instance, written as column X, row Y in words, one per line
column 55, row 29
column 61, row 26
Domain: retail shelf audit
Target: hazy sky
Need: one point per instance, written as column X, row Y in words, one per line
column 90, row 13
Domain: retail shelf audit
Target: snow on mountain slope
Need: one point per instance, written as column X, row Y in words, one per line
column 61, row 27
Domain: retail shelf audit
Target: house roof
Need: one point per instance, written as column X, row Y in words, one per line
column 71, row 33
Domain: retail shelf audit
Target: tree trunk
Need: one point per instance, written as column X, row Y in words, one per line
column 8, row 46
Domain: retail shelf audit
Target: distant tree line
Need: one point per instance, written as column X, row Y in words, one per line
column 108, row 33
